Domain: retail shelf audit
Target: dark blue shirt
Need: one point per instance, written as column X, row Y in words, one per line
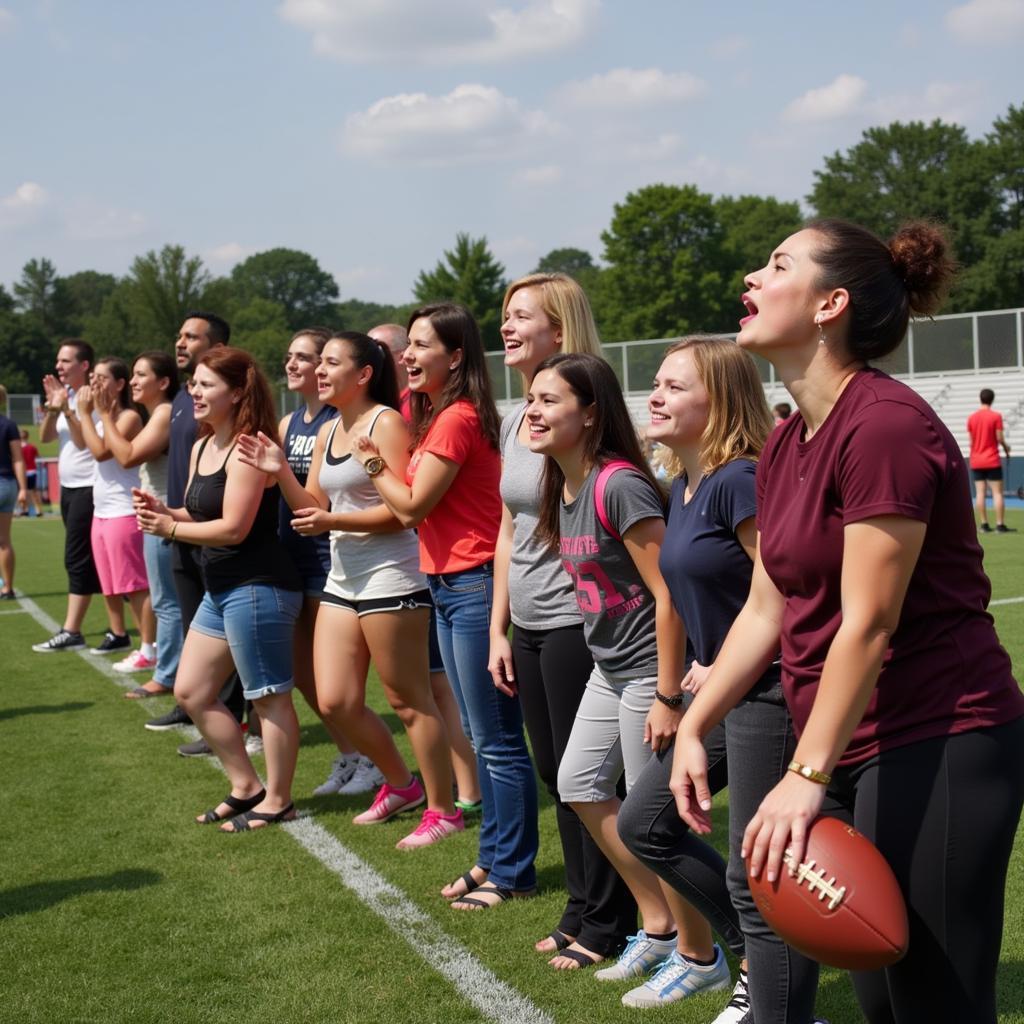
column 702, row 561
column 182, row 437
column 311, row 555
column 8, row 432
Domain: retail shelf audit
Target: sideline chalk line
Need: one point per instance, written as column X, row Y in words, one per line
column 477, row 984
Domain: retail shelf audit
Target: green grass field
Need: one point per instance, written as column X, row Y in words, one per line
column 115, row 907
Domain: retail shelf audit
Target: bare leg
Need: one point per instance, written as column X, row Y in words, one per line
column 142, row 612
column 998, row 502
column 341, row 662
column 463, row 759
column 205, row 665
column 115, row 613
column 397, row 644
column 78, row 605
column 979, row 500
column 6, row 552
column 695, row 936
column 281, row 746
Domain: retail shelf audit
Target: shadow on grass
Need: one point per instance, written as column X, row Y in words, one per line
column 44, row 709
column 27, row 899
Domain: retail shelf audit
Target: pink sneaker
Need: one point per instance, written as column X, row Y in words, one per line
column 390, row 801
column 135, row 662
column 433, row 827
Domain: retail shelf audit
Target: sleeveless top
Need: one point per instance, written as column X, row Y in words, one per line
column 365, row 565
column 112, row 487
column 259, row 558
column 311, row 555
column 153, row 475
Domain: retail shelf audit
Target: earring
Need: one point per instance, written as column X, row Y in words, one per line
column 821, row 330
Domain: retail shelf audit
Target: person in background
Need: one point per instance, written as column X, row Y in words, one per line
column 985, row 427
column 351, row 772
column 548, row 663
column 13, row 486
column 116, row 541
column 449, row 492
column 154, row 386
column 781, row 412
column 253, row 592
column 32, row 497
column 868, row 573
column 76, row 468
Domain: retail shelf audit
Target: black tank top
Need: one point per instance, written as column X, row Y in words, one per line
column 259, row 558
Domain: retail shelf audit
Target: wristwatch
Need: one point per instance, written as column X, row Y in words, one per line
column 374, row 465
column 671, row 702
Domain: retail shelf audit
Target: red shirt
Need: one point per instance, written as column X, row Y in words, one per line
column 405, row 405
column 883, row 451
column 462, row 528
column 31, row 452
column 982, row 426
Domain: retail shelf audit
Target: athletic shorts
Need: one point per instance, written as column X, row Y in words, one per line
column 987, row 474
column 8, row 494
column 30, row 480
column 418, row 599
column 117, row 552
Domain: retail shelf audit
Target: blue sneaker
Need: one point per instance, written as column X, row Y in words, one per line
column 640, row 956
column 678, row 978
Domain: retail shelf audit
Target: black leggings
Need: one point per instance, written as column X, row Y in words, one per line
column 552, row 669
column 76, row 511
column 944, row 813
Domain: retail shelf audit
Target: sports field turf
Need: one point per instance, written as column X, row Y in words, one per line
column 115, row 907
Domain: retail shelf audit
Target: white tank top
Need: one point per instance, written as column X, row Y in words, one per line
column 153, row 475
column 112, row 487
column 365, row 565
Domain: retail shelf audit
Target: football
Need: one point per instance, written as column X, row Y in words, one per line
column 842, row 906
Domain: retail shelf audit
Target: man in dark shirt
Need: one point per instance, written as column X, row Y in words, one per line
column 199, row 333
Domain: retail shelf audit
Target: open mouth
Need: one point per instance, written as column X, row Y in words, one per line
column 751, row 308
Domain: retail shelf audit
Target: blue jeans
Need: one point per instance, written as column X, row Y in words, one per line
column 494, row 723
column 169, row 637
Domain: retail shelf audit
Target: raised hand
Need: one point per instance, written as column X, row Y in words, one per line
column 364, row 449
column 85, row 400
column 56, row 393
column 261, row 453
column 103, row 400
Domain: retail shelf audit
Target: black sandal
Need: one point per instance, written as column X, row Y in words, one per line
column 468, row 881
column 238, row 805
column 583, row 960
column 561, row 941
column 502, row 893
column 241, row 823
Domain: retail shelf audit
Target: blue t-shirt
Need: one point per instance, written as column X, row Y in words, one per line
column 8, row 432
column 312, row 555
column 703, row 563
column 179, row 451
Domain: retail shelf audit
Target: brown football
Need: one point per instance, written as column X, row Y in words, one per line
column 842, row 907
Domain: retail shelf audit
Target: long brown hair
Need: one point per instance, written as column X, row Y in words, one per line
column 739, row 420
column 455, row 326
column 255, row 411
column 611, row 435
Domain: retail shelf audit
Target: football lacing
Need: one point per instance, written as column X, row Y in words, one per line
column 815, row 880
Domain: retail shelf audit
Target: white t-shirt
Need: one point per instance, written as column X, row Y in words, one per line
column 76, row 466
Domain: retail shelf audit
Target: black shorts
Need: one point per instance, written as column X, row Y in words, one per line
column 30, row 480
column 987, row 474
column 417, row 599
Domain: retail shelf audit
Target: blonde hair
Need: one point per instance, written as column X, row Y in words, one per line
column 739, row 420
column 565, row 304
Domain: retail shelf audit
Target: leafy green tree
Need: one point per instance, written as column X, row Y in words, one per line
column 358, row 315
column 261, row 328
column 469, row 274
column 167, row 285
column 753, row 226
column 667, row 267
column 568, row 260
column 292, row 279
column 37, row 294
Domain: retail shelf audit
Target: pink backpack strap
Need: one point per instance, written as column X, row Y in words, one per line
column 600, row 485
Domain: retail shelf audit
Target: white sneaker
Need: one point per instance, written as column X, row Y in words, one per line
column 135, row 662
column 678, row 978
column 253, row 744
column 343, row 768
column 738, row 1007
column 641, row 956
column 365, row 779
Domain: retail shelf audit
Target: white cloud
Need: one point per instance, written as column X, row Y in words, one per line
column 953, row 102
column 26, row 196
column 227, row 255
column 839, row 98
column 88, row 221
column 456, row 30
column 548, row 174
column 7, row 20
column 629, row 89
column 988, row 21
column 471, row 122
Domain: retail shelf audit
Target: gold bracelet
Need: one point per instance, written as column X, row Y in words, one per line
column 807, row 772
column 174, row 530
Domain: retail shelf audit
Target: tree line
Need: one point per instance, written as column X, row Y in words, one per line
column 673, row 259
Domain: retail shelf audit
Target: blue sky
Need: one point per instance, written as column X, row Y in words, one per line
column 368, row 132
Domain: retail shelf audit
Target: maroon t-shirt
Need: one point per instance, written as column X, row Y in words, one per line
column 883, row 451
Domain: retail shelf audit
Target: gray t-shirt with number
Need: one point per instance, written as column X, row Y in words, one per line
column 617, row 607
column 540, row 590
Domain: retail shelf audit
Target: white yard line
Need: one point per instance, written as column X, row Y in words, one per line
column 478, row 985
column 1007, row 600
column 15, row 611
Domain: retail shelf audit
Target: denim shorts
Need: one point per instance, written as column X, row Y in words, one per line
column 257, row 620
column 8, row 494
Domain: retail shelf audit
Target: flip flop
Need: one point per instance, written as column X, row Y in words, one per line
column 141, row 693
column 238, row 804
column 241, row 823
column 468, row 881
column 560, row 939
column 580, row 958
column 489, row 888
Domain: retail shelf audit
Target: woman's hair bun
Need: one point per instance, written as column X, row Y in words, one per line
column 920, row 252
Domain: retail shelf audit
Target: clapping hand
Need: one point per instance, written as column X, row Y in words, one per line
column 261, row 453
column 364, row 449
